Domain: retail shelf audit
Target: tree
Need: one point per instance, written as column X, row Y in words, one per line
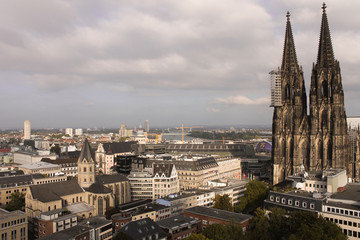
column 223, row 202
column 56, row 149
column 296, row 226
column 255, row 194
column 231, row 231
column 260, row 226
column 17, row 202
column 195, row 236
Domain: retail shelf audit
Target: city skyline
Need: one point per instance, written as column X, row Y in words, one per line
column 104, row 64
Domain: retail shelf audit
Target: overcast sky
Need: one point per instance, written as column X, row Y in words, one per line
column 193, row 62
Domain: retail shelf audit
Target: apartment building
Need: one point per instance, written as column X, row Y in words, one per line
column 13, row 225
column 53, row 221
column 196, row 171
column 159, row 181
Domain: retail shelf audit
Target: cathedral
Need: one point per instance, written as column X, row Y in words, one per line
column 319, row 140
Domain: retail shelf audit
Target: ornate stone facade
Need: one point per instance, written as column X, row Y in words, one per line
column 318, row 141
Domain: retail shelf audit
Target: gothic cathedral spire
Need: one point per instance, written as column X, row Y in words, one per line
column 290, row 119
column 328, row 127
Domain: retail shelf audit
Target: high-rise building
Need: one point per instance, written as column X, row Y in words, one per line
column 27, row 129
column 79, row 131
column 69, row 131
column 275, row 84
column 146, row 126
column 318, row 141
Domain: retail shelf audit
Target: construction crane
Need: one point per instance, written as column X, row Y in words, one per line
column 157, row 136
column 182, row 131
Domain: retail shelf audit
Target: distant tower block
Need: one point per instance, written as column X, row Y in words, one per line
column 146, row 126
column 27, row 129
column 275, row 81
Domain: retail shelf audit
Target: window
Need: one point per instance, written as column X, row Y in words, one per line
column 304, row 204
column 340, row 221
column 297, row 203
column 272, row 198
column 283, row 200
column 13, row 235
column 277, row 199
column 4, row 236
column 312, row 206
column 84, row 169
column 290, row 202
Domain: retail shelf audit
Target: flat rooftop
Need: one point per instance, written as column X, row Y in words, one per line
column 6, row 214
column 219, row 214
column 37, row 165
column 177, row 221
column 351, row 192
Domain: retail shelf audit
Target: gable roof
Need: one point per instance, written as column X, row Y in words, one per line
column 164, row 168
column 54, row 191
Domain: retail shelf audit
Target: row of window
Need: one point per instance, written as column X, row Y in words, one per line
column 315, row 185
column 291, row 202
column 52, row 180
column 4, row 236
column 343, row 222
column 12, row 223
column 342, row 211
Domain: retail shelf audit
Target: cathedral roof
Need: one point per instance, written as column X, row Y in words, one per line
column 86, row 153
column 114, row 178
column 325, row 53
column 289, row 62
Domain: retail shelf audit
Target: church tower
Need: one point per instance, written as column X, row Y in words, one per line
column 290, row 122
column 86, row 166
column 329, row 141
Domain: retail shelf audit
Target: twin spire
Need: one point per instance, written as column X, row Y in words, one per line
column 289, row 62
column 325, row 53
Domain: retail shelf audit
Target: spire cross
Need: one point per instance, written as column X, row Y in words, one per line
column 288, row 15
column 324, row 7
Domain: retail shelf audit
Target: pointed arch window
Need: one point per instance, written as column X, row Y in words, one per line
column 287, row 92
column 324, row 89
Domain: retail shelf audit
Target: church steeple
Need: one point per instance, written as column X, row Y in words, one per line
column 289, row 61
column 86, row 166
column 86, row 154
column 325, row 56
